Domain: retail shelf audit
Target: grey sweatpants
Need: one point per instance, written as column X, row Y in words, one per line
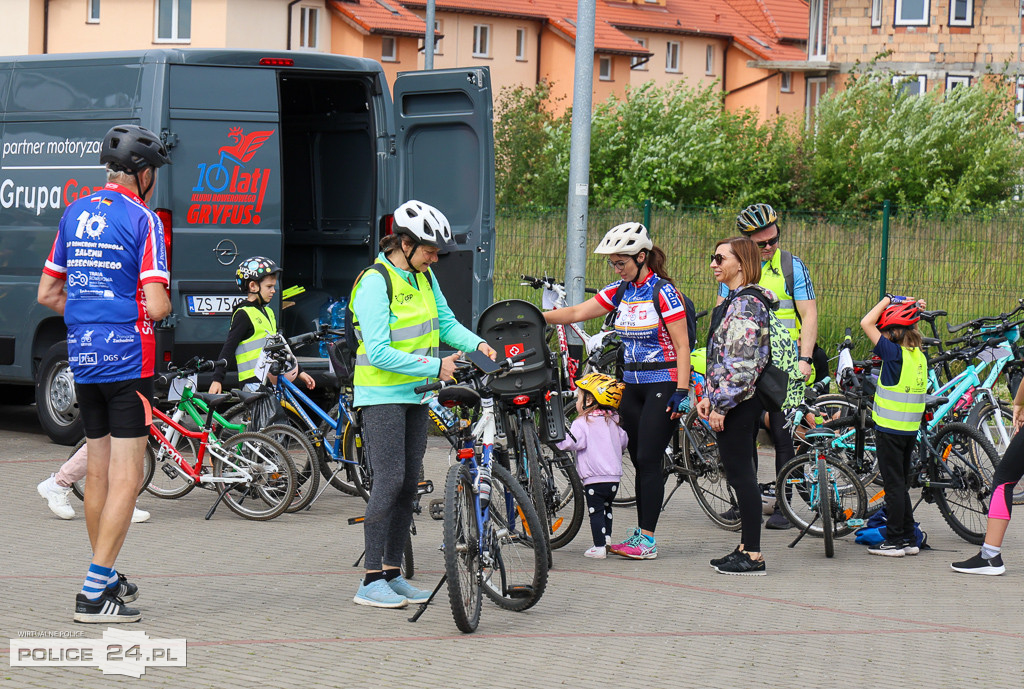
column 395, row 437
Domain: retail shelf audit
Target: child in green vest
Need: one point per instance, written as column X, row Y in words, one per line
column 252, row 322
column 899, row 404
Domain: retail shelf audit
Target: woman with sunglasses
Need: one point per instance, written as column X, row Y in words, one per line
column 738, row 350
column 650, row 320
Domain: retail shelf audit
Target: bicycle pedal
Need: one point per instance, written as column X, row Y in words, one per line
column 436, row 508
column 170, row 470
column 519, row 591
column 356, row 520
column 424, row 487
column 856, row 523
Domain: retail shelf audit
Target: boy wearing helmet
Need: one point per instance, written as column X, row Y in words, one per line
column 252, row 322
column 598, row 441
column 107, row 275
column 899, row 403
column 400, row 320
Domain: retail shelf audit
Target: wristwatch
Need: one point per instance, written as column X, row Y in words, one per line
column 807, row 359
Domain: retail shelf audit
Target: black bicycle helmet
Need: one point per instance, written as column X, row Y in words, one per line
column 254, row 268
column 131, row 148
column 755, row 218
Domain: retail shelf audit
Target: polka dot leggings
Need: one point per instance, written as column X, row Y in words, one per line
column 599, row 502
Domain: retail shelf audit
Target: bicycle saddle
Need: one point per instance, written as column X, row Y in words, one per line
column 933, row 402
column 820, row 432
column 250, row 397
column 458, row 395
column 213, row 400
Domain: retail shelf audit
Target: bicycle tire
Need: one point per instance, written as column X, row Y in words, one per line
column 78, row 487
column 360, row 473
column 965, row 505
column 408, row 565
column 983, row 417
column 461, row 549
column 793, row 494
column 706, row 474
column 834, row 406
column 305, row 459
column 343, row 480
column 563, row 495
column 171, row 483
column 273, row 482
column 518, row 574
column 825, row 507
column 534, row 478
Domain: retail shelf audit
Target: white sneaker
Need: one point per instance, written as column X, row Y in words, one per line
column 139, row 515
column 56, row 497
column 598, row 551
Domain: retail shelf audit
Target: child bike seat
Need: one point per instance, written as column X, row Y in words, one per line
column 513, row 326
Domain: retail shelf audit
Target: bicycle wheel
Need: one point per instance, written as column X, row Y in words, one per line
column 865, row 466
column 305, row 459
column 563, row 495
column 834, row 406
column 996, row 424
column 516, row 573
column 271, row 484
column 706, row 474
column 340, row 474
column 360, row 474
column 964, row 503
column 169, row 481
column 78, row 487
column 408, row 563
column 534, row 479
column 798, row 495
column 462, row 548
column 626, row 495
column 825, row 503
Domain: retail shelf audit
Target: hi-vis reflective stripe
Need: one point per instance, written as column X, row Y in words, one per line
column 251, row 346
column 884, row 414
column 364, row 360
column 900, row 397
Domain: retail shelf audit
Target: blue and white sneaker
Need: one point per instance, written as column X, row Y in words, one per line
column 379, row 595
column 402, row 587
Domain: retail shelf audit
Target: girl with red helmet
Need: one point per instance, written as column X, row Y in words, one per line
column 898, row 407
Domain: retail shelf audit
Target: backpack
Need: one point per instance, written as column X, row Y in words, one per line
column 783, row 356
column 874, row 530
column 691, row 312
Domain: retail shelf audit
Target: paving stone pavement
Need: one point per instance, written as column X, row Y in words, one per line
column 269, row 603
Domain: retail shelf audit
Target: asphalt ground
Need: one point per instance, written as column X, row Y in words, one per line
column 269, row 603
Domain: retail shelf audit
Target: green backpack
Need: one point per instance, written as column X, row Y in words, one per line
column 781, row 385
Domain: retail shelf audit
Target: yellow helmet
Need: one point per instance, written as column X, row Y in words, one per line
column 605, row 389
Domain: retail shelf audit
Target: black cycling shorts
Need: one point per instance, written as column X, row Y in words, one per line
column 120, row 410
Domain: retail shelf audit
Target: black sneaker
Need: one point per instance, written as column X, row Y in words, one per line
column 107, row 610
column 778, row 521
column 910, row 546
column 733, row 514
column 722, row 560
column 888, row 548
column 123, row 590
column 743, row 565
column 993, row 567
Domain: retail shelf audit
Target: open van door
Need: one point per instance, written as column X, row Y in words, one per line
column 445, row 148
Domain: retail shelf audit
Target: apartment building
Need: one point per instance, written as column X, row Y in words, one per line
column 740, row 45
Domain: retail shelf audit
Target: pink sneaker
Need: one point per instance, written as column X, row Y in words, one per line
column 637, row 547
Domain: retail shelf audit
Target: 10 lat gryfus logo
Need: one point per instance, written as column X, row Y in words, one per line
column 119, row 652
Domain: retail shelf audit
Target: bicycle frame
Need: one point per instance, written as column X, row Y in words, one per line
column 299, row 401
column 207, row 441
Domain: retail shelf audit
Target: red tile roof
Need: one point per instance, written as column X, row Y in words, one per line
column 791, row 16
column 380, row 16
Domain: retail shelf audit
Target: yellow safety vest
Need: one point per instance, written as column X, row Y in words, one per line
column 773, row 279
column 899, row 407
column 415, row 328
column 247, row 353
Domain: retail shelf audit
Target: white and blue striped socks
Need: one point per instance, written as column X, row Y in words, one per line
column 96, row 581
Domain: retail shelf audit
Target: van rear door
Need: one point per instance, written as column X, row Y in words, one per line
column 445, row 147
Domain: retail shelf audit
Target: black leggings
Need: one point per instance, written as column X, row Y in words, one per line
column 1008, row 473
column 642, row 415
column 894, row 452
column 736, row 447
column 599, row 502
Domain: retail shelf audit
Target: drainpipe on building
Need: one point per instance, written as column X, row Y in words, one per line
column 46, row 26
column 540, row 35
column 428, row 43
column 288, row 43
column 725, row 68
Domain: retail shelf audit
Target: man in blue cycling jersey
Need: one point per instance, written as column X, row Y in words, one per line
column 107, row 275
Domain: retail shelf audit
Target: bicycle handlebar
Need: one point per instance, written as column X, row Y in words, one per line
column 966, row 353
column 474, row 371
column 548, row 283
column 978, row 322
column 195, row 365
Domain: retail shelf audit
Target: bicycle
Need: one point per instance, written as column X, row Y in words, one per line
column 493, row 537
column 246, row 465
column 78, row 487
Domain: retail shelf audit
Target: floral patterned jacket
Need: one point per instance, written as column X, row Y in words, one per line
column 738, row 350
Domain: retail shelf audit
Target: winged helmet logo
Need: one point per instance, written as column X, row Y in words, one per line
column 245, row 145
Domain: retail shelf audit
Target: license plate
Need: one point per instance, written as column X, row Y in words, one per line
column 212, row 304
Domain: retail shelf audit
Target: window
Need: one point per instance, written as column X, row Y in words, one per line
column 709, row 59
column 816, row 87
column 174, row 20
column 911, row 13
column 672, row 56
column 816, row 41
column 787, row 82
column 521, row 44
column 438, row 42
column 604, row 68
column 637, row 62
column 388, row 49
column 876, row 13
column 910, row 85
column 93, row 12
column 961, row 12
column 955, row 80
column 481, row 40
column 309, row 20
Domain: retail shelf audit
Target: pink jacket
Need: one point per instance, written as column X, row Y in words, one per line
column 599, row 443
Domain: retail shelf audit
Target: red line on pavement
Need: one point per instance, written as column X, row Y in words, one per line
column 31, row 461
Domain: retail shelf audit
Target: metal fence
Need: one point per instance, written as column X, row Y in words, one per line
column 967, row 265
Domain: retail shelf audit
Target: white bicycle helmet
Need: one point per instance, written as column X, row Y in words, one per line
column 424, row 224
column 628, row 239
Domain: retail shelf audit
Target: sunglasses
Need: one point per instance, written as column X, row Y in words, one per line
column 617, row 265
column 717, row 259
column 769, row 242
